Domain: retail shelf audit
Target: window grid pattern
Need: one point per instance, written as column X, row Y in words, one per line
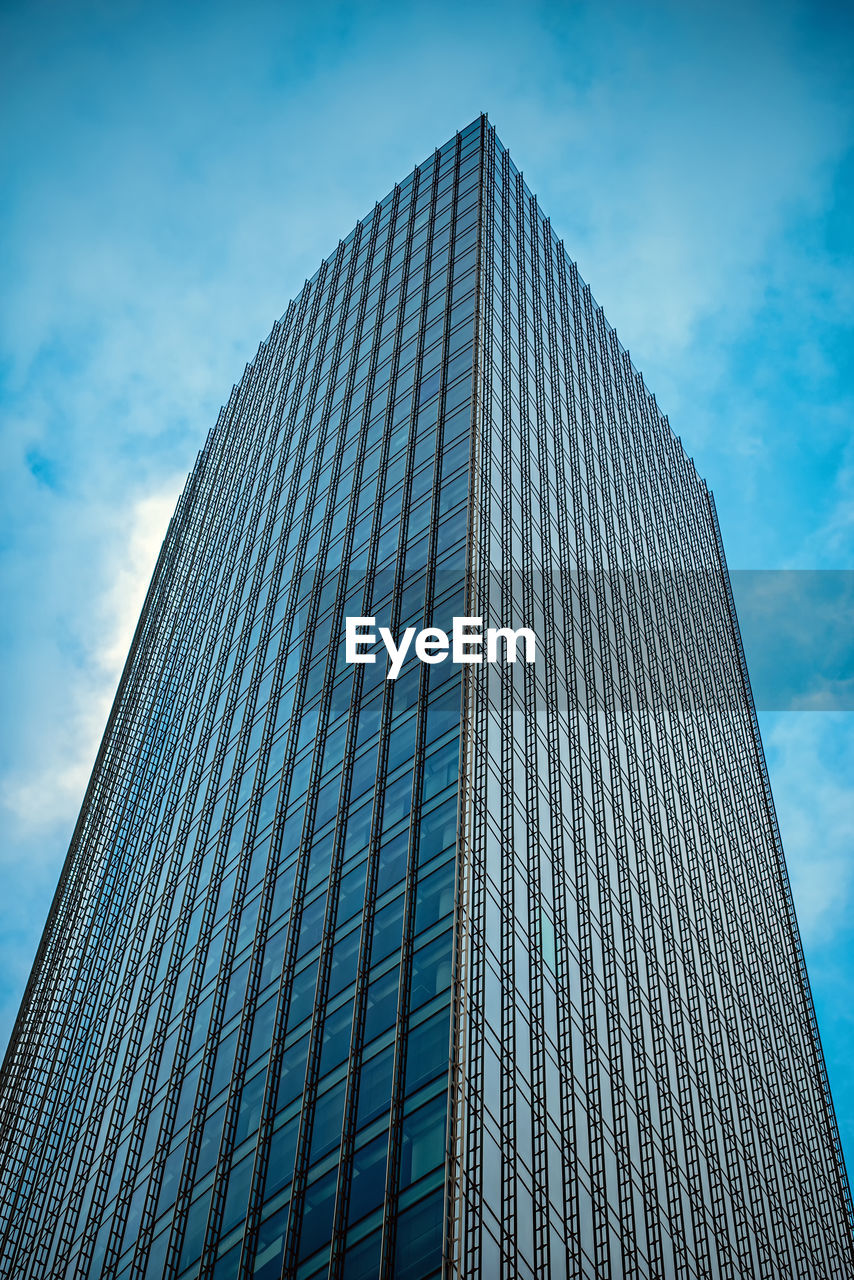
column 639, row 1089
column 485, row 971
column 233, row 1056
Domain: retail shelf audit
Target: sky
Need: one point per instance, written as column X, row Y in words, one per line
column 173, row 173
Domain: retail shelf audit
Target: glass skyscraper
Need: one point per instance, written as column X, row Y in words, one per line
column 490, row 970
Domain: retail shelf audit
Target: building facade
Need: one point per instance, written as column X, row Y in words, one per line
column 487, row 970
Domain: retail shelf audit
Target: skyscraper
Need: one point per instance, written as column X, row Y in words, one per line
column 490, row 969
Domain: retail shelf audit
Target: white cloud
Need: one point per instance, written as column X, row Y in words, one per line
column 833, row 541
column 47, row 788
column 694, row 137
column 134, row 564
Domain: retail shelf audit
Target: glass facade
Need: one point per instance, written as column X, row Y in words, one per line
column 489, row 970
column 639, row 1090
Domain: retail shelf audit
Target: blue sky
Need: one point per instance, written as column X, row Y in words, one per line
column 172, row 175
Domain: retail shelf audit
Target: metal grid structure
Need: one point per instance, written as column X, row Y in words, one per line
column 639, row 1089
column 485, row 971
